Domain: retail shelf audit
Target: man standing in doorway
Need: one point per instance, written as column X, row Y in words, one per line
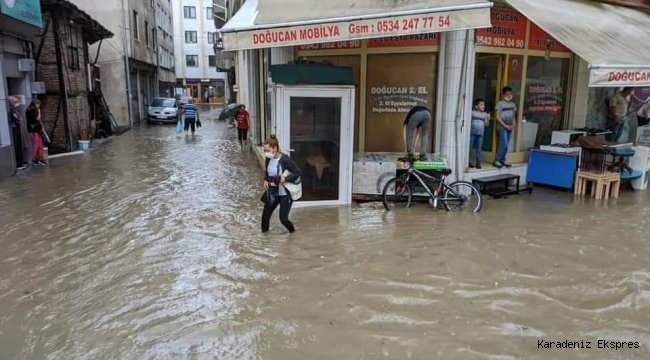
column 16, row 131
column 506, row 111
column 618, row 113
column 242, row 118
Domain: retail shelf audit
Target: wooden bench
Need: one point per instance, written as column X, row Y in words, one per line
column 499, row 186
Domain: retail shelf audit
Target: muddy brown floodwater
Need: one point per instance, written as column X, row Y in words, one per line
column 148, row 247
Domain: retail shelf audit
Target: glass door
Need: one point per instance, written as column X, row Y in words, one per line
column 487, row 86
column 315, row 129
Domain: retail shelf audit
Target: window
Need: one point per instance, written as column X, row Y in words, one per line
column 190, row 37
column 73, row 48
column 544, row 101
column 414, row 78
column 212, row 61
column 189, row 12
column 192, row 60
column 135, row 25
column 209, row 14
column 146, row 33
column 154, row 38
column 211, row 38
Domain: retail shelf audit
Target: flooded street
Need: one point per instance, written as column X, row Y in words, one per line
column 149, row 247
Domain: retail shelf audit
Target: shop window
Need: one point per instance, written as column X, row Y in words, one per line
column 354, row 62
column 545, row 98
column 396, row 83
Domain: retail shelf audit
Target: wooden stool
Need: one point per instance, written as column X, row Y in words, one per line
column 611, row 186
column 598, row 183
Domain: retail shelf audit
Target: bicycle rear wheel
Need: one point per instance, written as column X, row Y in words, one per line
column 396, row 193
column 466, row 197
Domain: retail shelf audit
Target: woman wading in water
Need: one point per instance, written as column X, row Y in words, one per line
column 274, row 183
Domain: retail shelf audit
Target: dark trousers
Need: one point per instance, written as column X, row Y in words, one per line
column 18, row 145
column 285, row 203
column 190, row 122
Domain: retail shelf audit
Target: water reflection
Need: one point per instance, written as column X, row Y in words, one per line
column 149, row 248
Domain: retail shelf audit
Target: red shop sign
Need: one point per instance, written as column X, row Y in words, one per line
column 538, row 38
column 508, row 30
column 352, row 44
column 430, row 39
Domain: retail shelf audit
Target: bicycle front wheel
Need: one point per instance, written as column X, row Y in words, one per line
column 396, row 193
column 464, row 197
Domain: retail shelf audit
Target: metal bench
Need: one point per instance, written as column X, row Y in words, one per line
column 502, row 185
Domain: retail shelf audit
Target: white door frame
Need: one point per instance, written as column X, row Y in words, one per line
column 284, row 93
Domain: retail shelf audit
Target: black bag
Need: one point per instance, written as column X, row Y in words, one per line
column 270, row 196
column 198, row 123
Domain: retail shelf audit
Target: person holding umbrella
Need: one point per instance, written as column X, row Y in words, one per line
column 228, row 113
column 242, row 117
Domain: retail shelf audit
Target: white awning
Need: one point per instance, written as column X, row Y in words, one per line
column 615, row 40
column 276, row 23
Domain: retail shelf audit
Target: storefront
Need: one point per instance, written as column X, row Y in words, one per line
column 204, row 91
column 391, row 74
column 517, row 53
column 16, row 70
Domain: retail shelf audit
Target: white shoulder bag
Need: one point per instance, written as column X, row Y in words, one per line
column 295, row 189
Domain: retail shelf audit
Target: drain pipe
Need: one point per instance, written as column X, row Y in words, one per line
column 126, row 67
column 461, row 104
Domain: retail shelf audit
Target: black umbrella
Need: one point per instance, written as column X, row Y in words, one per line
column 229, row 111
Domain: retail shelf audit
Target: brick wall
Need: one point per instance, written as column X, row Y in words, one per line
column 75, row 79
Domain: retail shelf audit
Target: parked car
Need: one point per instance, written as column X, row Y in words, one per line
column 163, row 110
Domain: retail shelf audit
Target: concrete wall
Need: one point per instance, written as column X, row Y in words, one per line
column 140, row 50
column 111, row 58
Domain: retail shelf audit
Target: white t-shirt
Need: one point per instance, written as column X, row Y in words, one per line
column 274, row 169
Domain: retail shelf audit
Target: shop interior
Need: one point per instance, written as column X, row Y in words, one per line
column 315, row 142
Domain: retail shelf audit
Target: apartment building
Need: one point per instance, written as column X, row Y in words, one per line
column 195, row 35
column 166, row 61
column 133, row 65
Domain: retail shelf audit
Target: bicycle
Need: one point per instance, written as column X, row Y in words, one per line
column 458, row 193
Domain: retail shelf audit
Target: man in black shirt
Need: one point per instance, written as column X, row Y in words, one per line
column 418, row 118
